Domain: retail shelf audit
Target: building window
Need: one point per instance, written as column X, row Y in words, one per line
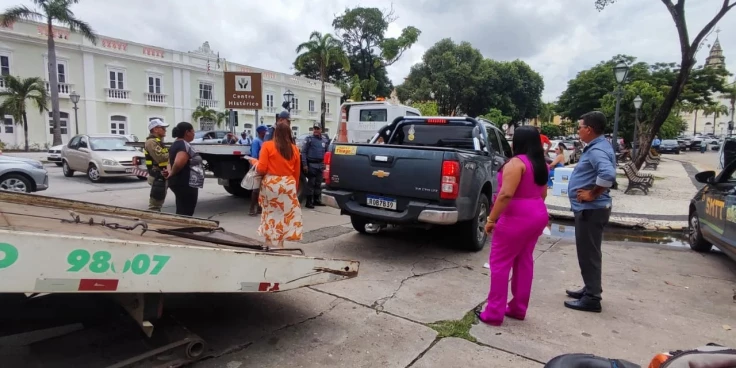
column 311, row 105
column 61, row 71
column 118, row 124
column 205, row 91
column 295, row 103
column 327, row 107
column 5, row 65
column 7, row 125
column 117, row 79
column 206, row 124
column 269, row 100
column 63, row 123
column 295, row 131
column 154, row 84
column 248, row 128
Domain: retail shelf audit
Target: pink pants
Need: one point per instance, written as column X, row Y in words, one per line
column 510, row 249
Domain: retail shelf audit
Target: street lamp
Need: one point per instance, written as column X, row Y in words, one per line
column 288, row 98
column 261, row 120
column 74, row 96
column 619, row 72
column 637, row 106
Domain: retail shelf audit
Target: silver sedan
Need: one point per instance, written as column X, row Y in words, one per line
column 19, row 174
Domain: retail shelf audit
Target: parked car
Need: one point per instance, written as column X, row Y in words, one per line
column 209, row 136
column 713, row 212
column 19, row 174
column 576, row 149
column 99, row 156
column 669, row 146
column 55, row 154
column 568, row 152
column 431, row 171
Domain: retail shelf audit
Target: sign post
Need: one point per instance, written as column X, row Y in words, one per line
column 243, row 91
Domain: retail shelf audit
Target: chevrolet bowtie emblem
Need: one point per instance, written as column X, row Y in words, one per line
column 381, row 174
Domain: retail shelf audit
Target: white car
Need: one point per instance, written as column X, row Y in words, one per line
column 55, row 155
column 568, row 151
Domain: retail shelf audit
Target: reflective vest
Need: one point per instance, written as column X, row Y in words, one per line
column 155, row 169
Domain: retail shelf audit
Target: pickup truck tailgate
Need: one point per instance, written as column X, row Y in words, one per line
column 391, row 171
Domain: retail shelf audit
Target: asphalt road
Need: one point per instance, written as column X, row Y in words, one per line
column 409, row 282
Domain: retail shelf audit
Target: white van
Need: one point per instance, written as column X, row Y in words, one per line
column 363, row 119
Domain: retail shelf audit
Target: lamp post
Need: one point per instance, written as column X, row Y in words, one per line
column 74, row 96
column 619, row 72
column 288, row 99
column 261, row 120
column 637, row 106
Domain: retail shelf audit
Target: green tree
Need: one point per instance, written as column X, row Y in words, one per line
column 207, row 114
column 688, row 51
column 551, row 130
column 715, row 109
column 496, row 117
column 463, row 82
column 363, row 33
column 51, row 12
column 426, row 108
column 730, row 93
column 322, row 50
column 17, row 91
column 547, row 112
column 694, row 108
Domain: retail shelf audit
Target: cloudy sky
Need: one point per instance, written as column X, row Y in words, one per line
column 558, row 38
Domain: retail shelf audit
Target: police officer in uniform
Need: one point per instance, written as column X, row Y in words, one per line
column 313, row 154
column 157, row 157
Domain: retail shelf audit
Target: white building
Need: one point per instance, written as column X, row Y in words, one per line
column 123, row 85
column 710, row 124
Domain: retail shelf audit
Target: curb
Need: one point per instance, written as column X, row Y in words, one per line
column 620, row 223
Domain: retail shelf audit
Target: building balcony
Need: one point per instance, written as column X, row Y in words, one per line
column 117, row 95
column 296, row 112
column 155, row 99
column 313, row 114
column 64, row 89
column 207, row 103
column 270, row 109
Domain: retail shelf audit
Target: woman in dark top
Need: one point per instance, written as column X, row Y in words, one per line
column 181, row 157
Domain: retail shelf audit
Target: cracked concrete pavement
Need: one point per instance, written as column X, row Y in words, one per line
column 655, row 298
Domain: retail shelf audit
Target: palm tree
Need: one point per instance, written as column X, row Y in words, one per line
column 51, row 11
column 220, row 117
column 730, row 94
column 324, row 50
column 716, row 110
column 17, row 91
column 694, row 108
column 204, row 113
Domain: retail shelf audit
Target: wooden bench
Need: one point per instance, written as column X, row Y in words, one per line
column 637, row 180
column 651, row 162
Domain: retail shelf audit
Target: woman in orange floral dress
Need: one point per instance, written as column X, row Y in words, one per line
column 280, row 165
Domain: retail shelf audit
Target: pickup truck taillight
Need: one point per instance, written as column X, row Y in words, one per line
column 450, row 179
column 326, row 172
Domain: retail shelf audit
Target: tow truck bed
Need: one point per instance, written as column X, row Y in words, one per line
column 46, row 250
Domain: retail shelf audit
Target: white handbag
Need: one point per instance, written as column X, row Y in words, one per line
column 252, row 179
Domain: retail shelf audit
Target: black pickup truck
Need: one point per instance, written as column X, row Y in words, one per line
column 419, row 171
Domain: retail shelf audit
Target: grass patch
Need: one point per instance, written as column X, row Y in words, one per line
column 457, row 328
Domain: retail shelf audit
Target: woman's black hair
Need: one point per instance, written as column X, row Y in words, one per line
column 528, row 142
column 181, row 129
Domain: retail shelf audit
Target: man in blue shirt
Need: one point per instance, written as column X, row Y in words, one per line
column 590, row 200
column 255, row 152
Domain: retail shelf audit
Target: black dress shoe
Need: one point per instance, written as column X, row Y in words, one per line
column 577, row 294
column 586, row 304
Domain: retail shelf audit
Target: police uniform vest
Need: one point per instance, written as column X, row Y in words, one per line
column 154, row 168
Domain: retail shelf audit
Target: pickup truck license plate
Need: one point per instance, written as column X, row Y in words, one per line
column 381, row 202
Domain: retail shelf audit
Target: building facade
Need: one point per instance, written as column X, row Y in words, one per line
column 698, row 122
column 124, row 84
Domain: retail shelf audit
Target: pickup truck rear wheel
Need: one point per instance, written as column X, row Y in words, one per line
column 359, row 223
column 235, row 189
column 473, row 231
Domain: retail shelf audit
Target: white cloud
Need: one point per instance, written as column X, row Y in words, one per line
column 558, row 38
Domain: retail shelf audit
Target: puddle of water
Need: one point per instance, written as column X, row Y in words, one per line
column 566, row 230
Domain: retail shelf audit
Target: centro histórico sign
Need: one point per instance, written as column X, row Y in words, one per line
column 243, row 90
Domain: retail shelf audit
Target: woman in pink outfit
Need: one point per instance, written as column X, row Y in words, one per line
column 517, row 220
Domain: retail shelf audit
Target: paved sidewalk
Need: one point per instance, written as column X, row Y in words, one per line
column 665, row 208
